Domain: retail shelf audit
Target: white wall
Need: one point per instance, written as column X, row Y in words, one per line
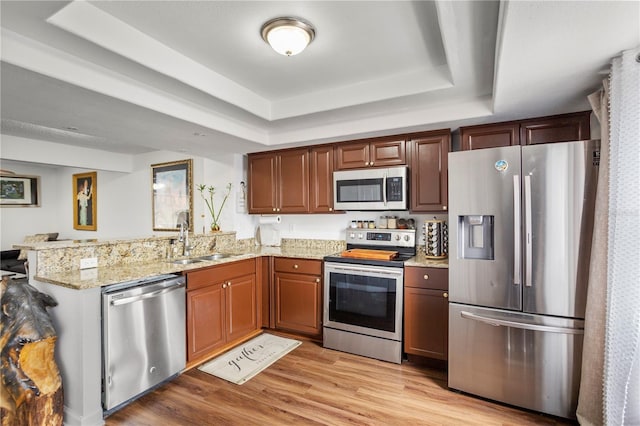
column 123, row 198
column 15, row 221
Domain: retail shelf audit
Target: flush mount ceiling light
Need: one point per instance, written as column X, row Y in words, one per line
column 288, row 36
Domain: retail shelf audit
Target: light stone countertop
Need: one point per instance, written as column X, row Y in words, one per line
column 421, row 260
column 98, row 277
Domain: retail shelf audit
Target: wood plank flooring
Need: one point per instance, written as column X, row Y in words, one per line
column 317, row 386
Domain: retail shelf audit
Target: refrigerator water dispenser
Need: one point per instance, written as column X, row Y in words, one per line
column 475, row 237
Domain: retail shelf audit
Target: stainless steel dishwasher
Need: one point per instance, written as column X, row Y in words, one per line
column 143, row 337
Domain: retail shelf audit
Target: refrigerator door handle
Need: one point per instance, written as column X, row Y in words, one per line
column 527, row 231
column 517, row 242
column 524, row 326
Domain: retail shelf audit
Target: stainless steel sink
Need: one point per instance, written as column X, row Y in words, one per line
column 184, row 261
column 215, row 256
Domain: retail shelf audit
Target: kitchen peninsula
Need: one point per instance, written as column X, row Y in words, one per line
column 54, row 269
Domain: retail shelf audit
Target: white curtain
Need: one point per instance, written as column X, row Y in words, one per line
column 622, row 331
column 610, row 384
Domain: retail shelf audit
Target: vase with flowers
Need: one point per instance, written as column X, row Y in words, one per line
column 215, row 215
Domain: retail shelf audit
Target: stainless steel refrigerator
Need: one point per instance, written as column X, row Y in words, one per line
column 520, row 227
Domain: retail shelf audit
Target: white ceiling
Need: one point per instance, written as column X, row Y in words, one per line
column 196, row 77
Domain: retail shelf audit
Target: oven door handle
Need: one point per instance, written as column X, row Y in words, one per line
column 360, row 269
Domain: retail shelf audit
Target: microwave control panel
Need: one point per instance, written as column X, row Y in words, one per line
column 394, row 189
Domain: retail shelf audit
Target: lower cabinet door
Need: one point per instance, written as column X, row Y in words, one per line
column 205, row 320
column 426, row 320
column 298, row 303
column 241, row 306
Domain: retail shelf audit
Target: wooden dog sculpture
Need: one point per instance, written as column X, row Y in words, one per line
column 31, row 388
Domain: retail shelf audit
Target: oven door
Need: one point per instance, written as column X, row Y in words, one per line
column 364, row 299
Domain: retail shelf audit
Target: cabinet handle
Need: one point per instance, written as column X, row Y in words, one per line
column 426, row 277
column 445, row 295
column 295, row 266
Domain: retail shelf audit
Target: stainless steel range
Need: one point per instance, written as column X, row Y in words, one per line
column 363, row 293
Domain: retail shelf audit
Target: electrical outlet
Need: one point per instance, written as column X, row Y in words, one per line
column 89, row 262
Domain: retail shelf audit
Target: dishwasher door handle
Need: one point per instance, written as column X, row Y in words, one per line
column 143, row 296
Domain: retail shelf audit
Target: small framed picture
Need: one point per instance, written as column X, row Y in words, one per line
column 85, row 201
column 19, row 191
column 172, row 197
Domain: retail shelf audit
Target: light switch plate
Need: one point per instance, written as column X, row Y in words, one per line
column 89, row 262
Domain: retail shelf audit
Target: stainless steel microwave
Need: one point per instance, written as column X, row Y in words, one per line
column 371, row 189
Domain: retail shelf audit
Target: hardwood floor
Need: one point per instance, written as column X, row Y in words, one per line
column 313, row 385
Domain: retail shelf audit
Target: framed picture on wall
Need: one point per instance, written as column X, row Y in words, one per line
column 85, row 201
column 172, row 197
column 19, row 191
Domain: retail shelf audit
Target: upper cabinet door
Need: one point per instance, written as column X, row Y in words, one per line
column 564, row 128
column 263, row 183
column 490, row 136
column 293, row 171
column 352, row 155
column 429, row 172
column 321, row 179
column 387, row 153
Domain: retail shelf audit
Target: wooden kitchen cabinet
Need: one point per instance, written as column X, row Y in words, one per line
column 279, row 182
column 490, row 136
column 555, row 128
column 321, row 179
column 379, row 152
column 297, row 295
column 429, row 181
column 562, row 128
column 222, row 304
column 426, row 312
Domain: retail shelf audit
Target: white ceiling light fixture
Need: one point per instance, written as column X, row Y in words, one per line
column 288, row 36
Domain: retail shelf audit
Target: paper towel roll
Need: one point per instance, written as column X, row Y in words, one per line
column 269, row 219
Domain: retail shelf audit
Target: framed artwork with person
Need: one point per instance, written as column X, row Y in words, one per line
column 85, row 201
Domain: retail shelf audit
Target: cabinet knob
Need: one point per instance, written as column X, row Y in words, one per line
column 444, row 207
column 274, row 209
column 317, row 280
column 371, row 163
column 366, row 163
column 278, row 209
column 330, row 209
column 445, row 295
column 426, row 276
column 224, row 285
column 295, row 266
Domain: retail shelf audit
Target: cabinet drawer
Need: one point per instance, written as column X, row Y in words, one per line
column 429, row 278
column 298, row 266
column 215, row 274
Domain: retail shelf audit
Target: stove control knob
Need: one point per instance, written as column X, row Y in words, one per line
column 406, row 238
column 397, row 237
column 352, row 235
column 360, row 236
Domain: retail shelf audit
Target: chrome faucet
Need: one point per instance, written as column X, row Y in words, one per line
column 184, row 238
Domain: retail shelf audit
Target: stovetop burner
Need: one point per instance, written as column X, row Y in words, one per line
column 402, row 241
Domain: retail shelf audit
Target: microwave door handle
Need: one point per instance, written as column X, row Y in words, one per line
column 384, row 188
